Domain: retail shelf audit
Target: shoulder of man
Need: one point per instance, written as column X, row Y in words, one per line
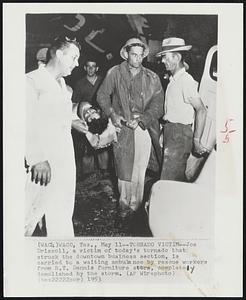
column 154, row 78
column 39, row 80
column 99, row 78
column 34, row 77
column 113, row 70
column 189, row 80
column 151, row 74
column 33, row 74
column 188, row 77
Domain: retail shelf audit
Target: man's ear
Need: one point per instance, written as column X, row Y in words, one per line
column 59, row 53
column 97, row 69
column 178, row 56
column 85, row 68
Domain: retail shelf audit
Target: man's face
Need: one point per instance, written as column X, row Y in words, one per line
column 91, row 114
column 135, row 56
column 69, row 59
column 170, row 61
column 91, row 68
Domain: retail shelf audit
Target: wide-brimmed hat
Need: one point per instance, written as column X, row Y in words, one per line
column 42, row 54
column 134, row 42
column 173, row 44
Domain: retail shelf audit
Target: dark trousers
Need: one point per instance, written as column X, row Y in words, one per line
column 177, row 146
column 86, row 157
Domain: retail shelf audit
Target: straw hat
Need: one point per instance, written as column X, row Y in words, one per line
column 133, row 42
column 172, row 45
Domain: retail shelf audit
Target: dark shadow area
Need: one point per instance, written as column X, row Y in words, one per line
column 96, row 209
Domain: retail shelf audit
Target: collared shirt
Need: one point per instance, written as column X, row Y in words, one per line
column 136, row 102
column 180, row 89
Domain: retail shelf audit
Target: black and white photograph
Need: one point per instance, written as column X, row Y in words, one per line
column 149, row 129
column 124, row 147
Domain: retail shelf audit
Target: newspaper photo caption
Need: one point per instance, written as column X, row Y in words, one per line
column 101, row 260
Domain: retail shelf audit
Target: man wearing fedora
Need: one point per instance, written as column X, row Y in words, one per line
column 136, row 106
column 183, row 108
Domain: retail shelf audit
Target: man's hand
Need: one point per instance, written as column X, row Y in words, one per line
column 41, row 173
column 133, row 124
column 116, row 120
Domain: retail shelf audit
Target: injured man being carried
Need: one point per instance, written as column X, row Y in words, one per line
column 99, row 130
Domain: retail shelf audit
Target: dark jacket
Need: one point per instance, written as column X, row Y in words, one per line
column 115, row 92
column 85, row 91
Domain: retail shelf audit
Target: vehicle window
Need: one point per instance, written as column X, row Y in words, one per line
column 213, row 67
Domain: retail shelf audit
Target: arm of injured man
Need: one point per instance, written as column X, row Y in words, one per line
column 80, row 126
column 79, row 109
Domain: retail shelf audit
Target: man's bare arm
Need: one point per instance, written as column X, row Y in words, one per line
column 200, row 119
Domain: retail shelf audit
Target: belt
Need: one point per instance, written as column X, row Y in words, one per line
column 164, row 122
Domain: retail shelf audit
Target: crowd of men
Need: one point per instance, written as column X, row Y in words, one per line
column 124, row 110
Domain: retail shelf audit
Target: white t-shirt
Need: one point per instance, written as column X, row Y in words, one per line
column 180, row 89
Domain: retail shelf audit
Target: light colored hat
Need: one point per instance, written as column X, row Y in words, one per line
column 172, row 45
column 42, row 54
column 132, row 42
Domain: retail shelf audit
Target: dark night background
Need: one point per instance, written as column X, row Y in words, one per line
column 197, row 30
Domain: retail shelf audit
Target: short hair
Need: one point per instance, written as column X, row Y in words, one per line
column 91, row 60
column 128, row 48
column 60, row 43
column 97, row 126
